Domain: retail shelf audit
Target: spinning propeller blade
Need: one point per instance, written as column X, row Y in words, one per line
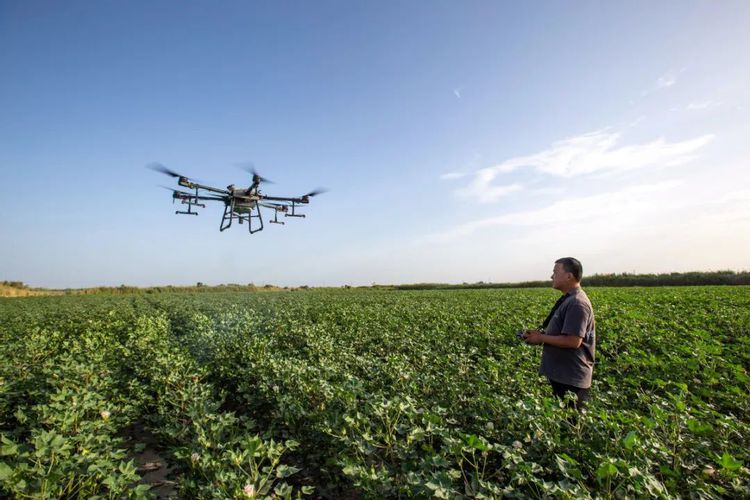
column 175, row 192
column 164, row 170
column 315, row 192
column 250, row 168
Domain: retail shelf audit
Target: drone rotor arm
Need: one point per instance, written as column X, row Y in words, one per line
column 210, row 189
column 209, row 198
column 282, row 199
column 275, row 206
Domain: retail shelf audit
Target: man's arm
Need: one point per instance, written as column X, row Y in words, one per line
column 573, row 330
column 564, row 341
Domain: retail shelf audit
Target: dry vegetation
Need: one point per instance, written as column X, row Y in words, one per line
column 18, row 289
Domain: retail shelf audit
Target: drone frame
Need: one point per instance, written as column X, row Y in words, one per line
column 242, row 205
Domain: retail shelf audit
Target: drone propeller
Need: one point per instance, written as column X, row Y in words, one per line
column 164, row 170
column 250, row 168
column 315, row 192
column 159, row 167
column 176, row 193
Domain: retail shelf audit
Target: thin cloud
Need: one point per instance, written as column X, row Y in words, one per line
column 452, row 175
column 612, row 206
column 739, row 195
column 638, row 207
column 592, row 153
column 666, row 81
column 465, row 169
column 482, row 189
column 663, row 82
column 548, row 190
column 698, row 106
column 457, row 92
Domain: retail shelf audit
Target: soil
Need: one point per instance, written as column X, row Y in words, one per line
column 153, row 467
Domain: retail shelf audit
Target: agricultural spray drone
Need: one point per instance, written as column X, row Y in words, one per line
column 241, row 204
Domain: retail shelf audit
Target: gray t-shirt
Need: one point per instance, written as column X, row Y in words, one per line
column 575, row 316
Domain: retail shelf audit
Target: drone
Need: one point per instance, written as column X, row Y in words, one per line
column 240, row 204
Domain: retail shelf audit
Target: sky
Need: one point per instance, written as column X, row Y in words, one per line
column 459, row 141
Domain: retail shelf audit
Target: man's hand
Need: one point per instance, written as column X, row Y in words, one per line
column 533, row 336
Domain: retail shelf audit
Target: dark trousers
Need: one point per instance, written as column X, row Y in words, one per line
column 582, row 395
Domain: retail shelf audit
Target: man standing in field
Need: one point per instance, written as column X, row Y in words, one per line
column 568, row 335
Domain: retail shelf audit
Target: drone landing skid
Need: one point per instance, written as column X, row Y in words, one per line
column 293, row 214
column 190, row 209
column 230, row 215
column 190, row 201
column 276, row 218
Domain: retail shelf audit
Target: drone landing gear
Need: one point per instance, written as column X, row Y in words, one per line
column 189, row 211
column 276, row 218
column 293, row 214
column 189, row 201
column 230, row 215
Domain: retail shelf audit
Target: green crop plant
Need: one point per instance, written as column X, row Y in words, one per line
column 373, row 393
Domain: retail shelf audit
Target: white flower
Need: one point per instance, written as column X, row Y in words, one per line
column 517, row 445
column 489, row 426
column 194, row 457
column 105, row 414
column 249, row 490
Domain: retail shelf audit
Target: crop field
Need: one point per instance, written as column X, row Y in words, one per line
column 371, row 394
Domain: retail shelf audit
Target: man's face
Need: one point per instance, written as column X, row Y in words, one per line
column 560, row 277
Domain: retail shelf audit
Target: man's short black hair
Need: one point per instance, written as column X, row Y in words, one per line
column 571, row 265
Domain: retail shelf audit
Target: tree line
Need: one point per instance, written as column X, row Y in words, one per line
column 694, row 278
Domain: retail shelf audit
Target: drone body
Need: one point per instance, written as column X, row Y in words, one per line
column 240, row 204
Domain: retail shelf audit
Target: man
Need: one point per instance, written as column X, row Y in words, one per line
column 568, row 335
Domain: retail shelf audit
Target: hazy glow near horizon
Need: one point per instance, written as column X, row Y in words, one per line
column 460, row 141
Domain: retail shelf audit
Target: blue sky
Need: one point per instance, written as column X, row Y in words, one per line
column 460, row 141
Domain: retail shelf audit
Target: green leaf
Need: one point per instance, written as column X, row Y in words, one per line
column 8, row 447
column 283, row 490
column 605, row 470
column 20, row 416
column 630, row 440
column 728, row 462
column 698, row 427
column 57, row 442
column 475, row 442
column 568, row 466
column 291, row 444
column 5, row 471
column 568, row 458
column 285, row 471
column 142, row 490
